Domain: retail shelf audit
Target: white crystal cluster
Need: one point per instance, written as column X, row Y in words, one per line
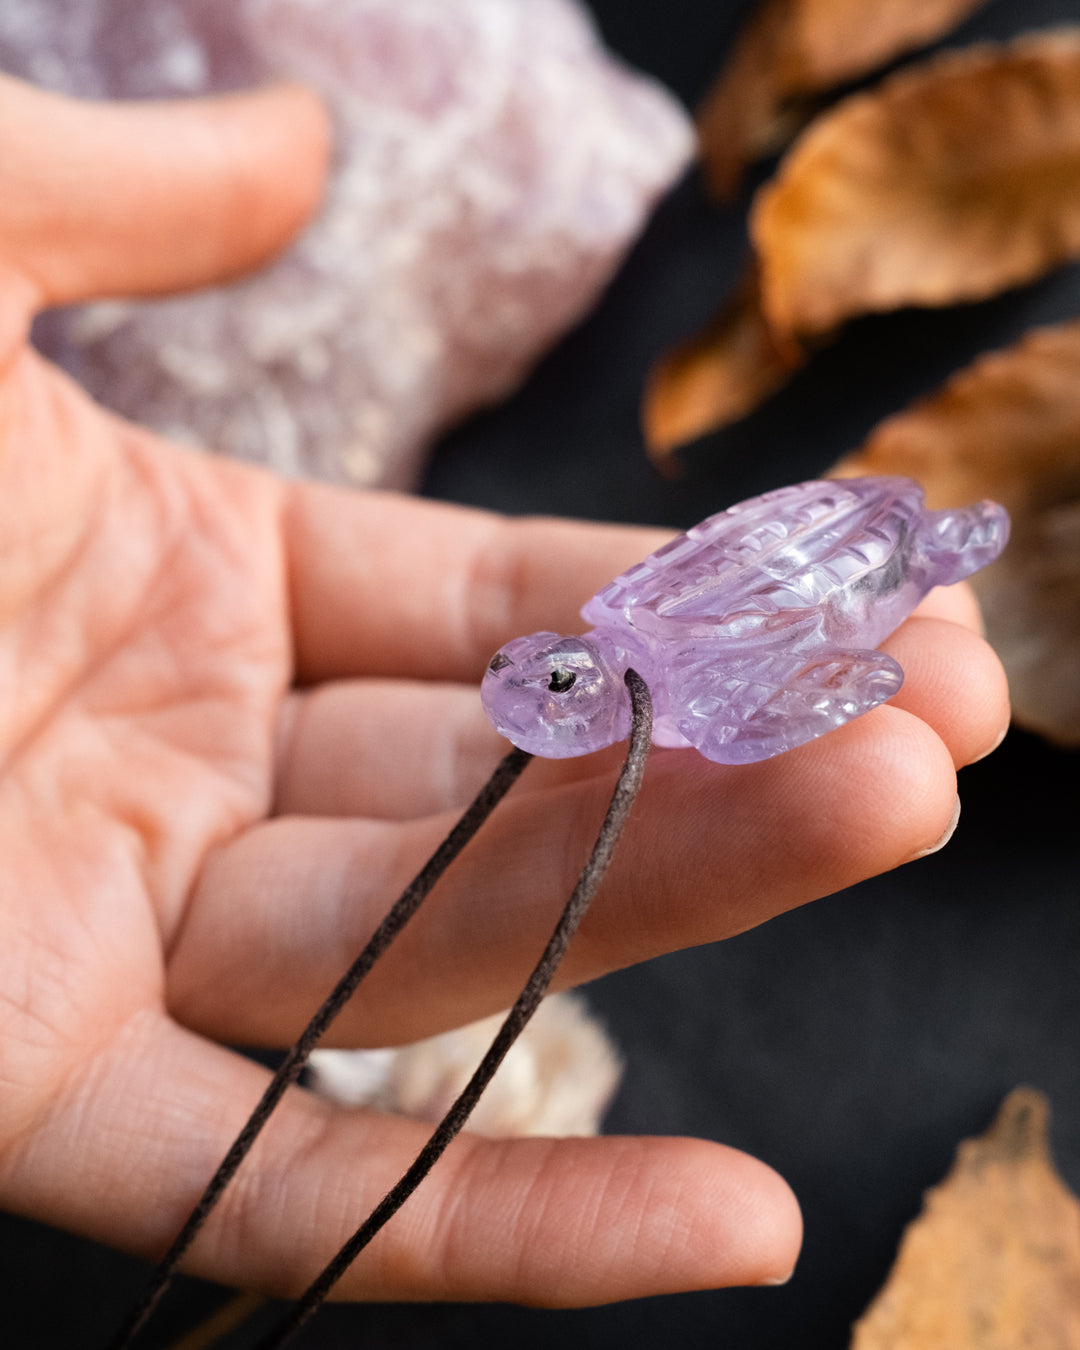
column 557, row 1079
column 493, row 164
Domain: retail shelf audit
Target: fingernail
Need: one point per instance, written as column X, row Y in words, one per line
column 1004, row 733
column 774, row 1281
column 949, row 831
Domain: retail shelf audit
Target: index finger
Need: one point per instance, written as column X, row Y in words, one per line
column 388, row 585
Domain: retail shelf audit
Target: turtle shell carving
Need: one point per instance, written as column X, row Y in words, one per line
column 756, row 630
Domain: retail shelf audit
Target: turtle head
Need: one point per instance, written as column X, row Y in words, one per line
column 557, row 696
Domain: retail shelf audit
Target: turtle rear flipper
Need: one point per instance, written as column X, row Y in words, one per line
column 959, row 542
column 745, row 716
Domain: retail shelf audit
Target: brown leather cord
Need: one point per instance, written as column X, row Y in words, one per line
column 500, row 782
column 626, row 790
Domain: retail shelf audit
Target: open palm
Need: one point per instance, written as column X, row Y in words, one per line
column 237, row 715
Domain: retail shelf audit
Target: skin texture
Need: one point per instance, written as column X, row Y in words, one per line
column 237, row 715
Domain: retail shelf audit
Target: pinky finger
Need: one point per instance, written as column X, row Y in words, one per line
column 551, row 1222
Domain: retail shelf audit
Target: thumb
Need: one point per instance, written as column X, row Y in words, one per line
column 112, row 199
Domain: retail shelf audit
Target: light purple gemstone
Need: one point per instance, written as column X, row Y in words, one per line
column 755, row 631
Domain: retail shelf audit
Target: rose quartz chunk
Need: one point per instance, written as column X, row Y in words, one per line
column 493, row 165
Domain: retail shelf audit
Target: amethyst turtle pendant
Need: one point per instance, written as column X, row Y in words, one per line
column 755, row 631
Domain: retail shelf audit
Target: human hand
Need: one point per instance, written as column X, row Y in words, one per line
column 235, row 718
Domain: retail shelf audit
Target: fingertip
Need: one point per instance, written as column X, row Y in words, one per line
column 151, row 197
column 607, row 1219
column 860, row 801
column 760, row 1230
column 955, row 683
column 914, row 797
column 714, row 1218
column 276, row 144
column 944, row 837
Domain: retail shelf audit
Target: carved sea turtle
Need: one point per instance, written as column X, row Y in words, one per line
column 755, row 631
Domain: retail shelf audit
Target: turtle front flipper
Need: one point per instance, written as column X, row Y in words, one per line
column 958, row 542
column 753, row 710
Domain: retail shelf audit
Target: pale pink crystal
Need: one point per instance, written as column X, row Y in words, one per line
column 494, row 164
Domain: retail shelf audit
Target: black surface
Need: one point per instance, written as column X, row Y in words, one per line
column 852, row 1043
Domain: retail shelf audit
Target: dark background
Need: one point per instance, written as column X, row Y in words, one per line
column 850, row 1044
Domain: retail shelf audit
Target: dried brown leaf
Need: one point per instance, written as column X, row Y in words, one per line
column 716, row 376
column 993, row 1262
column 791, row 50
column 1008, row 427
column 950, row 181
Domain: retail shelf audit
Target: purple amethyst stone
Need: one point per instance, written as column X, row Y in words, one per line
column 755, row 631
